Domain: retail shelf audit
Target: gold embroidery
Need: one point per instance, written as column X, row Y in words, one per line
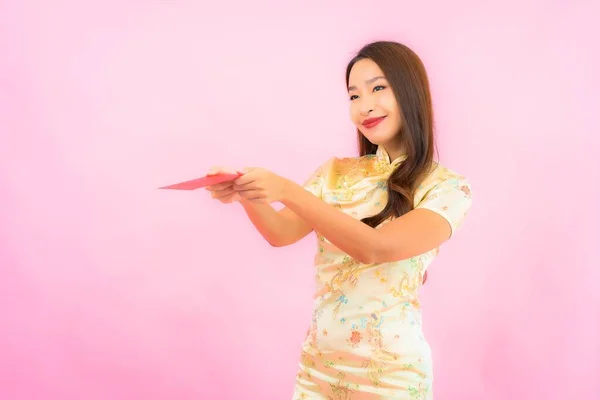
column 366, row 324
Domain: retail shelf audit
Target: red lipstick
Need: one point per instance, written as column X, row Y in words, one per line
column 372, row 122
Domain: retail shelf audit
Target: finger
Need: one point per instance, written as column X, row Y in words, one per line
column 213, row 171
column 252, row 195
column 245, row 187
column 221, row 170
column 222, row 193
column 220, row 186
column 230, row 198
column 247, row 177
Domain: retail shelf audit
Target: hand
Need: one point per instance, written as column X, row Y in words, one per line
column 223, row 191
column 260, row 185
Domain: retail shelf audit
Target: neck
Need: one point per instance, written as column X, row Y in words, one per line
column 393, row 151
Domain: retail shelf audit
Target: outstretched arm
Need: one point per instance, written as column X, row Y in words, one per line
column 414, row 233
column 279, row 228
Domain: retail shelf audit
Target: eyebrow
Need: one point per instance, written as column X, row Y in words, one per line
column 368, row 82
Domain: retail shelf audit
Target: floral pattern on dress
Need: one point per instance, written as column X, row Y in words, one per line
column 365, row 340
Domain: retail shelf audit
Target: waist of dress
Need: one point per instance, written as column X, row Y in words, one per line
column 391, row 298
column 396, row 327
column 349, row 308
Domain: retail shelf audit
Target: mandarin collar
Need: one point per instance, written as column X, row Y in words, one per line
column 384, row 158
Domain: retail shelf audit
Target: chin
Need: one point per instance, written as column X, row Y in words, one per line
column 377, row 140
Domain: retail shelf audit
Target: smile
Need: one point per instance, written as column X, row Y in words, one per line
column 372, row 122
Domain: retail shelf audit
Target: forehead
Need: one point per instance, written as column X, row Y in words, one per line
column 363, row 70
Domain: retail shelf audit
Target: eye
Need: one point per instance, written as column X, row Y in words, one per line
column 353, row 97
column 378, row 88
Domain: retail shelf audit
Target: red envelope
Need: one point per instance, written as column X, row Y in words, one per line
column 202, row 182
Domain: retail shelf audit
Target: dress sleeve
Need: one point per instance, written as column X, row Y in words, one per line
column 451, row 198
column 315, row 183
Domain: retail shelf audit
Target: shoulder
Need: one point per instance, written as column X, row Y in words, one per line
column 344, row 165
column 328, row 173
column 446, row 192
column 440, row 175
column 337, row 171
column 348, row 165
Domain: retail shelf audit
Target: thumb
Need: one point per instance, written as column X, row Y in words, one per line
column 245, row 170
column 221, row 170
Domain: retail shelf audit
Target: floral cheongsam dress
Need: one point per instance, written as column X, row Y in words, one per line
column 365, row 341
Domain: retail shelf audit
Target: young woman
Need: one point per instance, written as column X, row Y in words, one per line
column 380, row 219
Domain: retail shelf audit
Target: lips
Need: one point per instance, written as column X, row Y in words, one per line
column 372, row 122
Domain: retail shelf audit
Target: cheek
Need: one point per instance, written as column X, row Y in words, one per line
column 354, row 114
column 389, row 103
column 391, row 108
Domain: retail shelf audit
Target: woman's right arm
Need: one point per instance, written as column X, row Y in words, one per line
column 279, row 228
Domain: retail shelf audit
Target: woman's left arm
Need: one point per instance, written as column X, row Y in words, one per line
column 414, row 233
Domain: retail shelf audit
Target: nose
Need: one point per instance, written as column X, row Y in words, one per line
column 366, row 106
column 365, row 113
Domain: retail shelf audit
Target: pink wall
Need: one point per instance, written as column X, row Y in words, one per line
column 111, row 289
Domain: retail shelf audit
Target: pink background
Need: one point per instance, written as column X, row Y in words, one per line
column 112, row 289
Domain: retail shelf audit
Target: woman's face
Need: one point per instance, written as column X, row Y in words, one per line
column 373, row 106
